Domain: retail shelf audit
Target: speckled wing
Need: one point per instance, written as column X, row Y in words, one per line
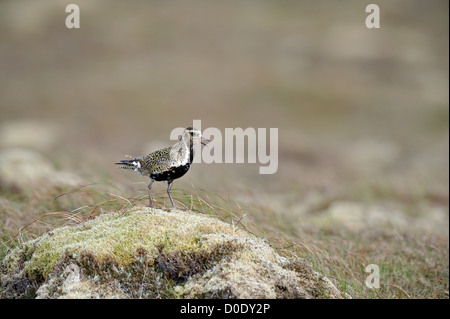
column 156, row 162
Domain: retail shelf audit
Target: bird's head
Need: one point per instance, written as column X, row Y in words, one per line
column 193, row 135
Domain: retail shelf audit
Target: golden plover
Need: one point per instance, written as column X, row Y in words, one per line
column 168, row 163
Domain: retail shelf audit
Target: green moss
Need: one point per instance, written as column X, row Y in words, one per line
column 119, row 236
column 143, row 253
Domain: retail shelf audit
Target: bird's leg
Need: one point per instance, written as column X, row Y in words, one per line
column 169, row 186
column 150, row 191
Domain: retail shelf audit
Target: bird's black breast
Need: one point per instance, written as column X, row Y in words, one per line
column 171, row 173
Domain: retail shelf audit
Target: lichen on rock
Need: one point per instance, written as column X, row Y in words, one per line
column 151, row 253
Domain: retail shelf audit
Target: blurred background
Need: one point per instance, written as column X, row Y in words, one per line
column 362, row 115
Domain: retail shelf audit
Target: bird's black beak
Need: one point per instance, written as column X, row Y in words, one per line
column 203, row 139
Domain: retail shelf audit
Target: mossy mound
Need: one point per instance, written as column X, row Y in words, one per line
column 143, row 253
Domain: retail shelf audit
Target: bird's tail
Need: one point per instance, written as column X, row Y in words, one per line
column 134, row 164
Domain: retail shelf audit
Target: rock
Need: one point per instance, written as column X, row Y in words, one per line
column 371, row 155
column 359, row 216
column 151, row 253
column 21, row 166
column 29, row 134
column 23, row 169
column 363, row 216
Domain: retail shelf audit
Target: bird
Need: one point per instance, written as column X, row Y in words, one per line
column 166, row 164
